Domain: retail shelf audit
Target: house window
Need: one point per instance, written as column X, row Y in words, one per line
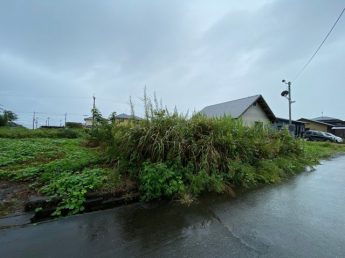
column 121, row 120
column 259, row 124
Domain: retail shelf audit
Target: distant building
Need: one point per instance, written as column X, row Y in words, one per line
column 88, row 121
column 284, row 123
column 338, row 127
column 51, row 127
column 121, row 119
column 329, row 120
column 124, row 118
column 252, row 110
column 311, row 124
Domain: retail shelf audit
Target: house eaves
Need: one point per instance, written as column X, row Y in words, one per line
column 294, row 121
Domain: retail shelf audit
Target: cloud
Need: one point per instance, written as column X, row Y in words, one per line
column 192, row 53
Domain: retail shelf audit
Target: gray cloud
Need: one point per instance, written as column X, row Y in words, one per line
column 192, row 53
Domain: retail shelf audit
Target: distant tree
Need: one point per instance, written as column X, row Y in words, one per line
column 112, row 117
column 7, row 117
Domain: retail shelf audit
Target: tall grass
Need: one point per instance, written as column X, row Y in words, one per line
column 203, row 153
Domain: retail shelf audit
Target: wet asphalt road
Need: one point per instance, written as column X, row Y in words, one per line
column 302, row 217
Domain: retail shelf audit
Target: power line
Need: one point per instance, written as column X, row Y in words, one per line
column 319, row 46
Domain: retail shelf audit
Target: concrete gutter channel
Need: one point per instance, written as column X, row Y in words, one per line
column 94, row 201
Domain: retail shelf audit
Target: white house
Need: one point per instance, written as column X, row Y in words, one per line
column 253, row 110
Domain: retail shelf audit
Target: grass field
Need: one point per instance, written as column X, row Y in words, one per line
column 28, row 159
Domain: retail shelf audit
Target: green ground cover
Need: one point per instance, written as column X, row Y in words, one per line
column 18, row 133
column 322, row 150
column 54, row 167
column 27, row 159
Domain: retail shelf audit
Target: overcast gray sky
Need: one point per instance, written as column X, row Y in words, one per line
column 54, row 55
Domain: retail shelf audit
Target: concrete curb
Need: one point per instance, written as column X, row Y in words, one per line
column 16, row 220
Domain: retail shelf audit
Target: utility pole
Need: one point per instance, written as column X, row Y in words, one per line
column 48, row 120
column 60, row 122
column 65, row 118
column 289, row 89
column 33, row 121
column 93, row 109
column 36, row 121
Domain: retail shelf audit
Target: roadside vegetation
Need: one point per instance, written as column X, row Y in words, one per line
column 165, row 155
column 172, row 155
column 322, row 150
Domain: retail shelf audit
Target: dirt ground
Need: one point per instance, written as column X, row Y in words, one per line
column 13, row 196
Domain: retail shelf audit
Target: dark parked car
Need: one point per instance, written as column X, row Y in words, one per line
column 335, row 138
column 312, row 135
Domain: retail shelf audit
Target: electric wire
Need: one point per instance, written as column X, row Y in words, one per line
column 319, row 46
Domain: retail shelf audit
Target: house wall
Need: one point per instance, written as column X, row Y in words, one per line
column 88, row 122
column 254, row 114
column 314, row 126
column 339, row 132
column 124, row 121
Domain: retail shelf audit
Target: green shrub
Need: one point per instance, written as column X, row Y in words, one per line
column 157, row 180
column 72, row 188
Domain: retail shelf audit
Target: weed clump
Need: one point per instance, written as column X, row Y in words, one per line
column 171, row 154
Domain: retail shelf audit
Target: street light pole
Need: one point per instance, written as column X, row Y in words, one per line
column 284, row 93
column 289, row 89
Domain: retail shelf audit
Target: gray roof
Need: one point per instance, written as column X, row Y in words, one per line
column 125, row 116
column 237, row 107
column 314, row 121
column 322, row 118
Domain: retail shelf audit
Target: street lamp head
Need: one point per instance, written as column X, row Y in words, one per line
column 284, row 93
column 283, row 80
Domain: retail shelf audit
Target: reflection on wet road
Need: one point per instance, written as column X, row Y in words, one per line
column 302, row 217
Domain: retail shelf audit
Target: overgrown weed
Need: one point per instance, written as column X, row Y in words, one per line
column 171, row 154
